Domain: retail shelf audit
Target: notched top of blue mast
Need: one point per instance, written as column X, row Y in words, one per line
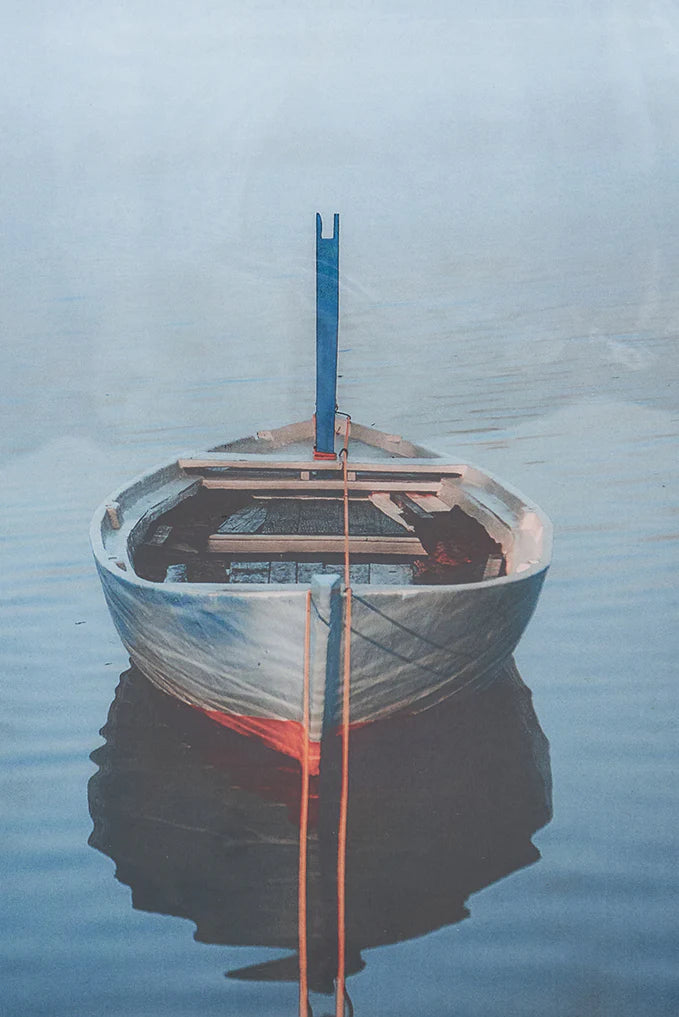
column 327, row 324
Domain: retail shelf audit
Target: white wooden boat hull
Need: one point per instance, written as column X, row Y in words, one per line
column 237, row 652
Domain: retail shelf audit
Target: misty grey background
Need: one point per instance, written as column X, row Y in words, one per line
column 506, row 175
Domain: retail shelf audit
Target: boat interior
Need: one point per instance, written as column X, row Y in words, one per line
column 279, row 518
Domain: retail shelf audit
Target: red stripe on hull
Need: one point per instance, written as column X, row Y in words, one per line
column 286, row 736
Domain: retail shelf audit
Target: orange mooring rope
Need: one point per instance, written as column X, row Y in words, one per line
column 344, row 790
column 304, row 828
column 340, row 989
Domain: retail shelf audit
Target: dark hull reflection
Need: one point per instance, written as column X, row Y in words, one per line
column 202, row 823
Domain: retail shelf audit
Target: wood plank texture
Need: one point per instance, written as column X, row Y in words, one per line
column 288, row 434
column 282, row 516
column 283, row 572
column 247, row 572
column 246, row 520
column 493, row 566
column 364, row 519
column 391, row 575
column 250, row 572
column 175, row 574
column 159, row 536
column 227, row 543
column 382, row 501
column 320, row 517
column 392, row 443
column 405, row 502
column 430, row 502
column 225, row 483
column 358, row 573
column 307, row 569
column 226, row 461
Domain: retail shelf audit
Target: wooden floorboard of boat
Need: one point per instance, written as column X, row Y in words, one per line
column 246, row 520
column 246, row 537
column 250, row 572
column 364, row 519
column 288, row 516
column 282, row 516
column 283, row 572
column 405, row 502
column 391, row 575
column 303, row 572
column 320, row 518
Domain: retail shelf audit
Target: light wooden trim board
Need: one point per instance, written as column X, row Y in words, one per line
column 272, row 543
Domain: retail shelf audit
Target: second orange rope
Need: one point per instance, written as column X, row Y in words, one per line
column 304, row 828
column 344, row 789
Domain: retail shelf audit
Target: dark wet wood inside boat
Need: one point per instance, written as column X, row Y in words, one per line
column 247, row 525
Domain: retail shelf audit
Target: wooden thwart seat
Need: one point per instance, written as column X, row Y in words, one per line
column 232, row 463
column 229, row 472
column 218, row 482
column 302, row 543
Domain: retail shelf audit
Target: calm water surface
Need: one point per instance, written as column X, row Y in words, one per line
column 509, row 203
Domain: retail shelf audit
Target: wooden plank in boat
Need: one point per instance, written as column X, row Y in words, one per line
column 223, row 460
column 297, row 498
column 363, row 518
column 383, row 502
column 281, row 436
column 206, row 570
column 320, row 517
column 307, row 569
column 391, row 575
column 283, row 572
column 226, row 483
column 282, row 516
column 393, row 443
column 366, row 517
column 175, row 574
column 249, row 572
column 226, row 543
column 248, row 519
column 113, row 514
column 493, row 566
column 159, row 536
column 430, row 502
column 407, row 502
column 358, row 573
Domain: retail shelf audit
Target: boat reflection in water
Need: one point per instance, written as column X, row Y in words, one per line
column 202, row 823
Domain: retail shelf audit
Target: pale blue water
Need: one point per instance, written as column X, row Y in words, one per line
column 507, row 185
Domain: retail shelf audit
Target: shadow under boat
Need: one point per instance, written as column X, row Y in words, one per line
column 202, row 823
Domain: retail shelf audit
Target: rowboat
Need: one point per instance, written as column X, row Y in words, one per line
column 202, row 823
column 206, row 561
